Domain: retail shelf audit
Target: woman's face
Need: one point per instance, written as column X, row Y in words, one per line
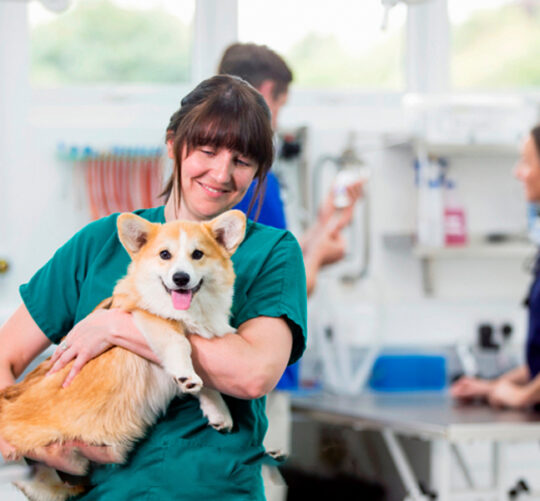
column 213, row 181
column 528, row 170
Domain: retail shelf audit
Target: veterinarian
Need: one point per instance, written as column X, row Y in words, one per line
column 221, row 140
column 322, row 244
column 520, row 387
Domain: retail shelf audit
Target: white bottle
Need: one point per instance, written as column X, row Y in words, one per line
column 430, row 230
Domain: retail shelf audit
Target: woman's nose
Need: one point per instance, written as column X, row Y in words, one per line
column 222, row 170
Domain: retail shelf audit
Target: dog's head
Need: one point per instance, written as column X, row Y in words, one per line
column 178, row 264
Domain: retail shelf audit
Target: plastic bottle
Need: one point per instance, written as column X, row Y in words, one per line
column 430, row 230
column 344, row 178
column 455, row 227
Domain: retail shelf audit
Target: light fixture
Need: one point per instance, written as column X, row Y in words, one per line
column 56, row 5
column 388, row 4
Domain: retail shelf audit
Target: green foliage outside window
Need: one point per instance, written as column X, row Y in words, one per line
column 320, row 61
column 497, row 49
column 100, row 42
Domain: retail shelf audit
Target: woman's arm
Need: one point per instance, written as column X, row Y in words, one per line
column 21, row 340
column 470, row 387
column 245, row 365
column 513, row 393
column 519, row 375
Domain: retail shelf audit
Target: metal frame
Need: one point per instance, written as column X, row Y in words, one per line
column 363, row 412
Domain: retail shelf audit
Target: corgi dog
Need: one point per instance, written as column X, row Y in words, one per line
column 180, row 280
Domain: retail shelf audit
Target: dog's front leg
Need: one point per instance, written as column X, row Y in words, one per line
column 172, row 348
column 215, row 409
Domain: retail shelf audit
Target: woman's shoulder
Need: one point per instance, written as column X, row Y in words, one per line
column 262, row 234
column 265, row 247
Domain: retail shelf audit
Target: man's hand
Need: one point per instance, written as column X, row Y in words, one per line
column 328, row 210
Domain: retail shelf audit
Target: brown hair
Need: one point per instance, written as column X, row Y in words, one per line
column 223, row 112
column 535, row 133
column 256, row 63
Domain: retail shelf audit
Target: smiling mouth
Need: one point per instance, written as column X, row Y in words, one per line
column 212, row 190
column 181, row 298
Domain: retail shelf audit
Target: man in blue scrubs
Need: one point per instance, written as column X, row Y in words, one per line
column 322, row 244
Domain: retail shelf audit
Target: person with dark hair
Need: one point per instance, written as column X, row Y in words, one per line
column 520, row 387
column 322, row 244
column 263, row 68
column 220, row 140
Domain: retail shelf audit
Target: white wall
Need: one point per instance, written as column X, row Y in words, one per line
column 43, row 202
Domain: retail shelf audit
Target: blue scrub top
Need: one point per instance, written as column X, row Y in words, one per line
column 533, row 334
column 272, row 211
column 272, row 214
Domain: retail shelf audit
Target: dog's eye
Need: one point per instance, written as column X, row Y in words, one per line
column 165, row 254
column 197, row 254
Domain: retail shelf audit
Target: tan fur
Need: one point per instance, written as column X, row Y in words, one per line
column 117, row 395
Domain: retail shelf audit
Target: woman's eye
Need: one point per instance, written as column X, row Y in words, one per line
column 207, row 152
column 243, row 163
column 197, row 254
column 165, row 254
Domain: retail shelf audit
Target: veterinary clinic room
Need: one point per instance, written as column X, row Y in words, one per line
column 295, row 245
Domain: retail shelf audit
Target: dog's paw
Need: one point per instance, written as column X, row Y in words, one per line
column 223, row 425
column 190, row 384
column 277, row 454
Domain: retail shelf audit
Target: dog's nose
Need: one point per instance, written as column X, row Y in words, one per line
column 181, row 278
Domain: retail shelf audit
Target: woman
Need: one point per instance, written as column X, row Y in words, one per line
column 221, row 141
column 519, row 387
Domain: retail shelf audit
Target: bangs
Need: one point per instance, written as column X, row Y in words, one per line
column 225, row 124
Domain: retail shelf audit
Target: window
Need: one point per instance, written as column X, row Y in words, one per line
column 112, row 41
column 495, row 44
column 330, row 44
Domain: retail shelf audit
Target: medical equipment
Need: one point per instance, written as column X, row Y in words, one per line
column 346, row 169
column 119, row 179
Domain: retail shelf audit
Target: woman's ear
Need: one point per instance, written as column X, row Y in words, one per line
column 229, row 229
column 134, row 232
column 170, row 148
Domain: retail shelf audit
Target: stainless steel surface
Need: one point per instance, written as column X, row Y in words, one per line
column 427, row 415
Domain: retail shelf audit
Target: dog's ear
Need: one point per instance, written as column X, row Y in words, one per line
column 229, row 229
column 133, row 231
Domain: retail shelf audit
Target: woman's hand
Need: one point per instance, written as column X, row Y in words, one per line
column 64, row 456
column 89, row 338
column 467, row 388
column 507, row 394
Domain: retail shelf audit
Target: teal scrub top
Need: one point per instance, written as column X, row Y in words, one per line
column 181, row 457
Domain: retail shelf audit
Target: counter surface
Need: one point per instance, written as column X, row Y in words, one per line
column 428, row 415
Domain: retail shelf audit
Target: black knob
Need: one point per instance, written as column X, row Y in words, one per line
column 506, row 330
column 485, row 337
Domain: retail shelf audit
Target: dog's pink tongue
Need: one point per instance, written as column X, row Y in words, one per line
column 181, row 299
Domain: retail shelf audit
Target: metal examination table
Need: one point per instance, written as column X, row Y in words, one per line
column 438, row 419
